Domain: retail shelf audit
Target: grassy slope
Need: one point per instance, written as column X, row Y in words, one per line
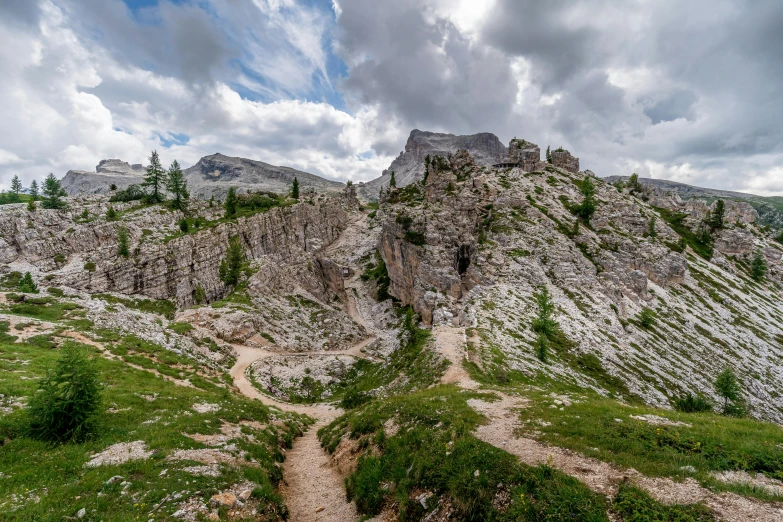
column 56, row 474
column 712, row 442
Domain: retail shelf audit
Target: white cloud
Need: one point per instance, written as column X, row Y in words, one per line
column 68, row 103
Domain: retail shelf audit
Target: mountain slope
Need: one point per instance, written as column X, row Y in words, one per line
column 210, row 176
column 214, row 175
column 473, row 246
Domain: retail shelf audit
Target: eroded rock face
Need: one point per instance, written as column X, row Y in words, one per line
column 524, row 153
column 161, row 265
column 485, row 148
column 564, row 160
column 432, row 238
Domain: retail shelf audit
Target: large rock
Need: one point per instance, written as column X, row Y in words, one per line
column 485, row 148
column 107, row 173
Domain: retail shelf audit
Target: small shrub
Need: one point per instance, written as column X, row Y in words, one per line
column 690, row 403
column 184, row 226
column 111, row 214
column 89, row 266
column 353, row 398
column 646, row 318
column 68, row 399
column 758, row 267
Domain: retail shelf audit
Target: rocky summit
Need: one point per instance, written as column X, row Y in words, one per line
column 500, row 336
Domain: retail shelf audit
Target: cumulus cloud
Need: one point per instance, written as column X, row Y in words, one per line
column 681, row 90
column 71, row 99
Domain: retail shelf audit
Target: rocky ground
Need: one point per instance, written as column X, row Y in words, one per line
column 308, row 323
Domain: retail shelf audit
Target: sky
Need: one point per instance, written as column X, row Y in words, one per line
column 688, row 91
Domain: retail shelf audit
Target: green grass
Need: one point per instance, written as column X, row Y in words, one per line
column 56, row 475
column 712, row 443
column 675, row 219
column 162, row 307
column 434, row 451
column 44, row 308
column 635, row 505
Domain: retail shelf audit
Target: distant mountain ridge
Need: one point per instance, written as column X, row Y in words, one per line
column 210, row 176
column 770, row 208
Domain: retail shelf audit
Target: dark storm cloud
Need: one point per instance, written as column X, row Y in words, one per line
column 623, row 83
column 179, row 40
column 424, row 72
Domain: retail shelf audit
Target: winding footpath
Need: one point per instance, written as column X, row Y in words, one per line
column 599, row 476
column 312, row 487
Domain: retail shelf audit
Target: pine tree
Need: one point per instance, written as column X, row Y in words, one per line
column 68, row 399
column 633, row 184
column 392, row 180
column 231, row 203
column 27, row 285
column 727, row 386
column 16, row 188
column 52, row 192
column 543, row 323
column 111, row 214
column 122, row 242
column 34, row 190
column 426, row 168
column 31, row 205
column 178, row 187
column 758, row 266
column 548, row 155
column 295, row 189
column 716, row 215
column 231, row 266
column 155, row 179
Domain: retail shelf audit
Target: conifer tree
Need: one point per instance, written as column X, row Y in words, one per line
column 52, row 192
column 727, row 386
column 716, row 216
column 543, row 323
column 392, row 180
column 548, row 155
column 295, row 188
column 231, row 202
column 758, row 266
column 178, row 187
column 27, row 285
column 16, row 188
column 122, row 242
column 155, row 180
column 231, row 266
column 34, row 190
column 31, row 205
column 111, row 214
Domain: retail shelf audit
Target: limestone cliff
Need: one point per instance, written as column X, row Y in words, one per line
column 408, row 167
column 472, row 245
column 80, row 250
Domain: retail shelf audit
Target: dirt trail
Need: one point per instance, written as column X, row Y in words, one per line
column 599, row 476
column 313, row 489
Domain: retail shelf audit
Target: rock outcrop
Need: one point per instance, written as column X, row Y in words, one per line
column 472, row 245
column 485, row 148
column 83, row 254
column 107, row 173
